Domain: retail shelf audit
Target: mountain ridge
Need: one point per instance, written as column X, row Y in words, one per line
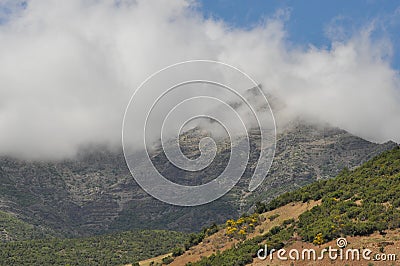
column 96, row 194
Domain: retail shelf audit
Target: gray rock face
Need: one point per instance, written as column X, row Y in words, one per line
column 95, row 192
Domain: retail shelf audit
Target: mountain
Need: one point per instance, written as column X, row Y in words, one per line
column 95, row 193
column 361, row 205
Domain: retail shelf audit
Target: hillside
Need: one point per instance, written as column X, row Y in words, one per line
column 13, row 229
column 221, row 241
column 95, row 193
column 114, row 249
column 362, row 205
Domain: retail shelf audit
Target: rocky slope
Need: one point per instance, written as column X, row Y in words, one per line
column 95, row 192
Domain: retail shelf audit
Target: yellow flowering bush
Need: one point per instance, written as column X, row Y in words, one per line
column 242, row 226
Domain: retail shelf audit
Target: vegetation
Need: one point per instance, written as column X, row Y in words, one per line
column 195, row 239
column 356, row 202
column 243, row 253
column 318, row 240
column 242, row 226
column 114, row 249
column 167, row 260
column 12, row 229
column 273, row 217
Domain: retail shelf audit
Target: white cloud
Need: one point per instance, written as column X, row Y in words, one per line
column 68, row 68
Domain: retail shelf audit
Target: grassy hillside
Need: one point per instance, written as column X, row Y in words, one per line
column 356, row 203
column 113, row 249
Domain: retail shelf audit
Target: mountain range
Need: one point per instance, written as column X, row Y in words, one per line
column 95, row 193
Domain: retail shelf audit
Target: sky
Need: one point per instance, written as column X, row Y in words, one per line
column 309, row 21
column 69, row 68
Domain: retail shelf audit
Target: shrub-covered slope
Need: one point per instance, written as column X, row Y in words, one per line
column 355, row 203
column 12, row 229
column 114, row 249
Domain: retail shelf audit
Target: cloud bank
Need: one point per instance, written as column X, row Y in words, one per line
column 68, row 69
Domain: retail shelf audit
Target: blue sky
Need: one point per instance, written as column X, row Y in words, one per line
column 309, row 19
